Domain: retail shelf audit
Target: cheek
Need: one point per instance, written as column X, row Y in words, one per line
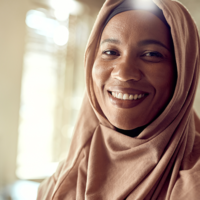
column 164, row 80
column 168, row 78
column 99, row 77
column 100, row 74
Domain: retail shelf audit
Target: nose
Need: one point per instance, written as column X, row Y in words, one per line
column 126, row 69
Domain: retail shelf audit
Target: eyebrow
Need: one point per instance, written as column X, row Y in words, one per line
column 146, row 42
column 141, row 43
column 111, row 40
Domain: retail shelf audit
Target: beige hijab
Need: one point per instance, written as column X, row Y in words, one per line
column 163, row 162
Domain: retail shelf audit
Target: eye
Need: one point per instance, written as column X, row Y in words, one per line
column 153, row 54
column 110, row 53
column 152, row 57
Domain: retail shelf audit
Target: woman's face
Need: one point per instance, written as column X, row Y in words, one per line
column 134, row 74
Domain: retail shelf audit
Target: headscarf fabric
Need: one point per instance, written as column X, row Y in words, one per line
column 163, row 162
column 127, row 5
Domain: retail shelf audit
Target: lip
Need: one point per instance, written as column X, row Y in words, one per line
column 125, row 103
column 126, row 90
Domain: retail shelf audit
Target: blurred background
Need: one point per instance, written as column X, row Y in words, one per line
column 42, row 45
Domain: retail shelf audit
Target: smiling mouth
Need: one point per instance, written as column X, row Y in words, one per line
column 125, row 96
column 126, row 100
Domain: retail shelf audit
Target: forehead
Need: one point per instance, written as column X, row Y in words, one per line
column 137, row 24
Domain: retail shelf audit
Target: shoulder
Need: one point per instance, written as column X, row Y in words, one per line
column 188, row 181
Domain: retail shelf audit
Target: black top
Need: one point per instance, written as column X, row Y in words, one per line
column 127, row 5
column 132, row 133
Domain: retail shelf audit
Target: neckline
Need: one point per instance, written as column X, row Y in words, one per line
column 132, row 133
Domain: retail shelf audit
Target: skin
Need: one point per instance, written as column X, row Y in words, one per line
column 135, row 52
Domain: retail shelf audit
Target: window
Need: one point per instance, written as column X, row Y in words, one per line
column 52, row 89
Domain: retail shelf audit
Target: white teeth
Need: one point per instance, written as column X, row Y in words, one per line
column 127, row 96
column 120, row 96
column 114, row 94
column 131, row 97
column 135, row 97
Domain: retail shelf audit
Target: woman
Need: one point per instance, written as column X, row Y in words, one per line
column 137, row 136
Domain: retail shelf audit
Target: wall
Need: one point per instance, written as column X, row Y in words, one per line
column 12, row 33
column 193, row 7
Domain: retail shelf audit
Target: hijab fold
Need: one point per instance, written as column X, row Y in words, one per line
column 163, row 162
